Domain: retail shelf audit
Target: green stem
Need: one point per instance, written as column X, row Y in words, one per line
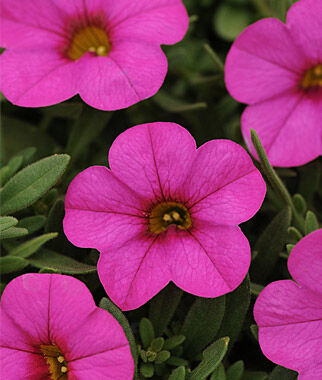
column 275, row 181
column 217, row 61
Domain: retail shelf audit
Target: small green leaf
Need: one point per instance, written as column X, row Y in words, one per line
column 60, row 263
column 146, row 332
column 13, row 232
column 212, row 357
column 311, row 223
column 10, row 169
column 157, row 344
column 299, row 203
column 27, row 154
column 235, row 371
column 174, row 341
column 255, row 376
column 178, row 374
column 281, row 373
column 32, row 223
column 31, row 246
column 176, row 361
column 7, row 222
column 295, row 234
column 162, row 356
column 255, row 289
column 10, row 264
column 254, row 331
column 4, row 175
column 29, row 184
column 219, row 373
column 163, row 307
column 202, row 324
column 147, row 370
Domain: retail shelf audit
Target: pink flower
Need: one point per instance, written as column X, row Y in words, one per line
column 276, row 68
column 166, row 212
column 289, row 314
column 107, row 51
column 51, row 328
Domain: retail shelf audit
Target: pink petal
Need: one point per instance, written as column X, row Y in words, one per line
column 160, row 21
column 305, row 262
column 101, row 211
column 37, row 77
column 288, row 128
column 305, row 22
column 264, row 61
column 311, row 373
column 133, row 71
column 153, row 159
column 290, row 325
column 136, row 271
column 226, row 188
column 208, row 261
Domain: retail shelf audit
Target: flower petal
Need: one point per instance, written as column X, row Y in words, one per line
column 305, row 22
column 130, row 73
column 160, row 21
column 37, row 77
column 226, row 188
column 208, row 261
column 305, row 262
column 290, row 325
column 101, row 211
column 287, row 127
column 154, row 159
column 136, row 271
column 264, row 61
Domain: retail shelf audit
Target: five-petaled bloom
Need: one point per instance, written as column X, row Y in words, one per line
column 276, row 68
column 166, row 212
column 289, row 314
column 52, row 329
column 107, row 51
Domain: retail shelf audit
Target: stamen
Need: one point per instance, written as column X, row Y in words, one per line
column 61, row 359
column 312, row 78
column 56, row 362
column 63, row 369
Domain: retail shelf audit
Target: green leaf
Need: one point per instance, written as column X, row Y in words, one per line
column 162, row 356
column 147, row 370
column 311, row 223
column 269, row 245
column 174, row 105
column 55, row 217
column 174, row 341
column 157, row 344
column 202, row 324
column 4, row 175
column 299, row 203
column 60, row 263
column 13, row 232
column 230, row 21
column 178, row 374
column 31, row 246
column 7, row 222
column 28, row 185
column 254, row 331
column 10, row 264
column 294, row 234
column 146, row 332
column 212, row 357
column 27, row 155
column 32, row 223
column 255, row 376
column 109, row 306
column 176, row 362
column 289, row 247
column 281, row 373
column 163, row 307
column 237, row 303
column 235, row 371
column 219, row 373
column 13, row 165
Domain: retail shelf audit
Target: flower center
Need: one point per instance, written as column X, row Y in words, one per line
column 56, row 362
column 312, row 77
column 167, row 213
column 91, row 38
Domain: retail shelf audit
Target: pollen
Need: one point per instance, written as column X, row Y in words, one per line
column 90, row 39
column 169, row 213
column 57, row 366
column 312, row 77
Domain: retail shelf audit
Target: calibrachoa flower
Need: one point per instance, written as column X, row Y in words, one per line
column 276, row 68
column 289, row 314
column 166, row 212
column 52, row 329
column 107, row 51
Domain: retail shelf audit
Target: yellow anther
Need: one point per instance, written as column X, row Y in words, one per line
column 167, row 218
column 176, row 216
column 101, row 51
column 63, row 369
column 61, row 359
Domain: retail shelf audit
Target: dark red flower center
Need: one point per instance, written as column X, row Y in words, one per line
column 167, row 213
column 312, row 77
column 89, row 39
column 56, row 362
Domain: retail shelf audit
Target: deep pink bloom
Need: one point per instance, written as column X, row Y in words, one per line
column 276, row 68
column 107, row 51
column 166, row 212
column 289, row 314
column 51, row 328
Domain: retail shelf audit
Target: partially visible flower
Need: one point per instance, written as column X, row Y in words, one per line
column 289, row 314
column 166, row 212
column 52, row 329
column 107, row 51
column 276, row 68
